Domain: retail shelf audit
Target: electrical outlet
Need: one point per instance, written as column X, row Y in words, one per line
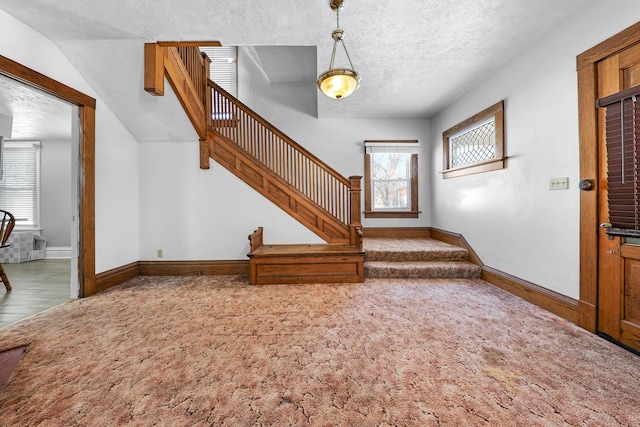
column 559, row 183
column 160, row 253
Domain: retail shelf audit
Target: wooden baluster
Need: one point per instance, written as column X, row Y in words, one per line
column 209, row 106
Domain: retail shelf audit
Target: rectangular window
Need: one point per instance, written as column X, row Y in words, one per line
column 224, row 67
column 20, row 183
column 391, row 179
column 475, row 145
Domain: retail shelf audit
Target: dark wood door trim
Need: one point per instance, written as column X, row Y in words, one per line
column 588, row 136
column 86, row 167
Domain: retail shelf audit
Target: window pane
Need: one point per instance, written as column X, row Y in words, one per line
column 20, row 183
column 390, row 195
column 224, row 67
column 475, row 145
column 389, row 165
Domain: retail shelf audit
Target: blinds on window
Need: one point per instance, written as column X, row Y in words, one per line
column 410, row 147
column 20, row 183
column 223, row 68
column 623, row 153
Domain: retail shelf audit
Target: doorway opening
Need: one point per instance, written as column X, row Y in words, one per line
column 83, row 174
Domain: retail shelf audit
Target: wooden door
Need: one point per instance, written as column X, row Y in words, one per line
column 618, row 308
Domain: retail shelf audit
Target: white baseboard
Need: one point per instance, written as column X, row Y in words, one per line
column 57, row 252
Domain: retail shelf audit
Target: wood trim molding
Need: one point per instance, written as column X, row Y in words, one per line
column 556, row 303
column 87, row 196
column 392, row 214
column 86, row 167
column 497, row 162
column 396, row 232
column 368, row 211
column 116, row 276
column 611, row 46
column 36, row 80
column 457, row 240
column 193, row 268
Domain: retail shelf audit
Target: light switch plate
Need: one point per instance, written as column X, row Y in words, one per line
column 559, row 183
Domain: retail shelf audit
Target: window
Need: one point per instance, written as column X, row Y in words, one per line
column 224, row 67
column 391, row 179
column 20, row 183
column 475, row 145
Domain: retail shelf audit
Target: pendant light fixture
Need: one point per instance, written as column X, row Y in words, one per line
column 338, row 83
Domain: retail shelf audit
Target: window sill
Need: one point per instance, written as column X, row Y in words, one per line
column 489, row 165
column 392, row 214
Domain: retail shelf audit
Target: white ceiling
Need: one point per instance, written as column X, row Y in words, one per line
column 36, row 115
column 415, row 56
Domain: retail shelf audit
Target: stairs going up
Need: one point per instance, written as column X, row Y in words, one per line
column 416, row 258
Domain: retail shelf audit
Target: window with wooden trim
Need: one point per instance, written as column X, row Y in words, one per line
column 20, row 183
column 476, row 144
column 391, row 179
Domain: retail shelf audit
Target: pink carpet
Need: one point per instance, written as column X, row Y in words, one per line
column 202, row 351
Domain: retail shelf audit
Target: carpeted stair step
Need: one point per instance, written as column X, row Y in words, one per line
column 421, row 269
column 387, row 249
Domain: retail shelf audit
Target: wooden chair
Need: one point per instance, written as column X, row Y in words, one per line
column 8, row 222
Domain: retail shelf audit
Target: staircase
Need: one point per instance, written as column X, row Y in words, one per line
column 271, row 163
column 416, row 258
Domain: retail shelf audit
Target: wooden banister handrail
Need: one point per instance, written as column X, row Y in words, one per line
column 265, row 158
column 275, row 130
column 312, row 179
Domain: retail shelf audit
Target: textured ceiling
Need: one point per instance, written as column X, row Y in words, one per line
column 36, row 115
column 415, row 56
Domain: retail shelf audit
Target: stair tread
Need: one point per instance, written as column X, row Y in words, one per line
column 420, row 263
column 448, row 269
column 305, row 249
column 397, row 249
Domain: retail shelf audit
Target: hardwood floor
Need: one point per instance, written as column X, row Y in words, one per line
column 37, row 286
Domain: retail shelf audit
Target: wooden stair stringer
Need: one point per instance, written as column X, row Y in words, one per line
column 275, row 189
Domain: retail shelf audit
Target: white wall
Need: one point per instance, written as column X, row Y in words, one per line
column 193, row 214
column 340, row 143
column 116, row 150
column 55, row 192
column 510, row 217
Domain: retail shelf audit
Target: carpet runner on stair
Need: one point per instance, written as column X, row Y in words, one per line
column 415, row 258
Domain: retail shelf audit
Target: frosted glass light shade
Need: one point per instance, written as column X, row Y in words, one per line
column 338, row 83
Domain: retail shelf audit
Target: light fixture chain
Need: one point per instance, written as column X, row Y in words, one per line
column 333, row 55
column 345, row 51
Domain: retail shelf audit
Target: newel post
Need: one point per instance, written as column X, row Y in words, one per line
column 355, row 225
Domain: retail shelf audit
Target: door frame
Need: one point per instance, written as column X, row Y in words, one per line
column 86, row 165
column 587, row 69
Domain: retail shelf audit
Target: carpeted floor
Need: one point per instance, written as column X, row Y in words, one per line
column 202, row 351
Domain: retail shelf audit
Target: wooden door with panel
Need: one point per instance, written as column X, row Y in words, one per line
column 618, row 252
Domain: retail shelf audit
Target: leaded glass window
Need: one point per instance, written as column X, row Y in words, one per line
column 473, row 145
column 476, row 144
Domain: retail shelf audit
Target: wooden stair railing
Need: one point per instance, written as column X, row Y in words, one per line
column 187, row 70
column 283, row 171
column 253, row 149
